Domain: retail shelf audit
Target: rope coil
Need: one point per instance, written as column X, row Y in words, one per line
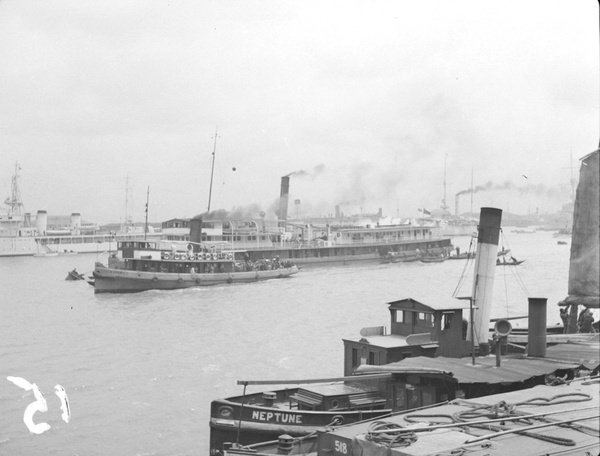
column 397, row 436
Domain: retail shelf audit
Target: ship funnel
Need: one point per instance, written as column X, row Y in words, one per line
column 485, row 267
column 41, row 222
column 75, row 222
column 196, row 233
column 283, row 200
column 536, row 335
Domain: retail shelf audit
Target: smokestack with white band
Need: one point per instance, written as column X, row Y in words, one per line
column 485, row 267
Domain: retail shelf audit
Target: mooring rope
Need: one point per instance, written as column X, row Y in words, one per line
column 502, row 410
column 398, row 436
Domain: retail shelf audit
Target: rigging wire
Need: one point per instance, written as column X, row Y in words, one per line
column 504, row 275
column 515, row 272
column 469, row 263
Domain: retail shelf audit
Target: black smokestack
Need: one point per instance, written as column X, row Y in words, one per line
column 283, row 200
column 196, row 232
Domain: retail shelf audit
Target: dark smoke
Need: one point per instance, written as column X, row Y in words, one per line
column 237, row 213
column 530, row 189
column 315, row 172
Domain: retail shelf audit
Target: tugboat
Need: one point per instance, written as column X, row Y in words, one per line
column 164, row 265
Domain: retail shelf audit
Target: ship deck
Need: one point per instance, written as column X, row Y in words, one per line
column 570, row 426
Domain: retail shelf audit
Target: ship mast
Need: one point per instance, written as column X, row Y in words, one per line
column 212, row 172
column 14, row 202
column 128, row 219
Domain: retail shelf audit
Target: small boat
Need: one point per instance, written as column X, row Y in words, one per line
column 399, row 257
column 439, row 259
column 562, row 242
column 170, row 265
column 461, row 256
column 503, row 252
column 74, row 275
column 511, row 262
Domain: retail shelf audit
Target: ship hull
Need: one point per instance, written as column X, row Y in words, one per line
column 107, row 280
column 350, row 253
column 259, row 423
column 13, row 246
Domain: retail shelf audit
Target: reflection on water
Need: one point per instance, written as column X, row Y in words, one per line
column 141, row 369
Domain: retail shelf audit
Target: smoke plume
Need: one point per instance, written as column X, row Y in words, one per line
column 531, row 189
column 312, row 174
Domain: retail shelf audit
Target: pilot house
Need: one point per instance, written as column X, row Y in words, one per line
column 416, row 329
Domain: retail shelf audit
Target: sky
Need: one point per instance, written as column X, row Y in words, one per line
column 364, row 104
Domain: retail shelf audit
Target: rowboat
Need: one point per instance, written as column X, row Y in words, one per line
column 511, row 262
column 74, row 275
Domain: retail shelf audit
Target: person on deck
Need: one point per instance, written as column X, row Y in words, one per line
column 564, row 316
column 586, row 319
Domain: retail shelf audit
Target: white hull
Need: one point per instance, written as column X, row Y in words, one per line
column 29, row 246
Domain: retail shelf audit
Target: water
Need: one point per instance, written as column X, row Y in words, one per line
column 140, row 370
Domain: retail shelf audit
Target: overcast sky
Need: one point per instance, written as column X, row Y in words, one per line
column 366, row 102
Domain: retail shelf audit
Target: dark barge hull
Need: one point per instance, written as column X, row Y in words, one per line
column 349, row 253
column 259, row 424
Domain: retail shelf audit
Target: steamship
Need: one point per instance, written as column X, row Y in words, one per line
column 159, row 265
column 20, row 237
column 24, row 235
column 310, row 241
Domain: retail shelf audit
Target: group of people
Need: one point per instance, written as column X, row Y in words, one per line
column 585, row 321
column 261, row 265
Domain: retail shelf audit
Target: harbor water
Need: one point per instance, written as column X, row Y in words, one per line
column 141, row 369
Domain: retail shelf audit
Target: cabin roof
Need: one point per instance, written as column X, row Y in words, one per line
column 177, row 220
column 511, row 370
column 382, row 340
column 587, row 354
column 436, row 304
